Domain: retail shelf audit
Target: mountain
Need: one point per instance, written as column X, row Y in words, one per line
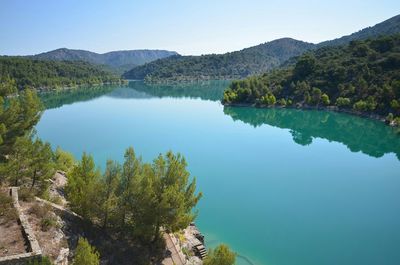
column 253, row 60
column 250, row 61
column 118, row 61
column 387, row 27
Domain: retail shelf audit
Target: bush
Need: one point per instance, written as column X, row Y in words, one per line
column 56, row 199
column 48, row 222
column 85, row 254
column 360, row 105
column 7, row 211
column 26, row 195
column 325, row 99
column 41, row 211
column 221, row 255
column 343, row 102
column 40, row 261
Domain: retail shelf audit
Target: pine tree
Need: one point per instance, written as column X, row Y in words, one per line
column 85, row 254
column 221, row 255
column 82, row 187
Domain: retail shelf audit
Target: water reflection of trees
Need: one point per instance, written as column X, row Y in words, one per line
column 56, row 99
column 206, row 90
column 358, row 134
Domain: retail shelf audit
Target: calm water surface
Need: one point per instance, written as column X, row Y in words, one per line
column 281, row 186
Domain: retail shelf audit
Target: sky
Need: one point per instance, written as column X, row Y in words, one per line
column 186, row 26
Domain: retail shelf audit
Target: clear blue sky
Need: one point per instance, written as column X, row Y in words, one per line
column 187, row 26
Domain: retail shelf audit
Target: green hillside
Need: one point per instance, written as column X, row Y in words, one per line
column 363, row 76
column 239, row 64
column 50, row 74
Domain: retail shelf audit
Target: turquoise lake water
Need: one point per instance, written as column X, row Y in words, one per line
column 281, row 186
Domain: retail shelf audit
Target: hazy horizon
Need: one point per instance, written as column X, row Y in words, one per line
column 29, row 28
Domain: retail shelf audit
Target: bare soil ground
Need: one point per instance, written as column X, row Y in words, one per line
column 48, row 233
column 12, row 241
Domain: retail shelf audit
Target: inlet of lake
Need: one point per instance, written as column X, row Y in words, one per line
column 281, row 186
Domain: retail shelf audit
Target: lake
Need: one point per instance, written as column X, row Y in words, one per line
column 281, row 186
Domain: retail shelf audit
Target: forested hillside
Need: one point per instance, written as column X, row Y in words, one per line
column 250, row 61
column 117, row 61
column 239, row 64
column 50, row 74
column 363, row 76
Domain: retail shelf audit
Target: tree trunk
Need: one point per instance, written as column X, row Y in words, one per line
column 33, row 179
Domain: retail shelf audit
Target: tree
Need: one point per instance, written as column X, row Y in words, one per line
column 325, row 99
column 85, row 254
column 316, row 95
column 82, row 187
column 109, row 187
column 342, row 102
column 221, row 255
column 42, row 165
column 174, row 196
column 305, row 66
column 17, row 167
column 130, row 171
column 360, row 105
column 18, row 116
column 64, row 160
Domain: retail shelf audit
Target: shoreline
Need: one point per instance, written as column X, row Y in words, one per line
column 61, row 88
column 371, row 116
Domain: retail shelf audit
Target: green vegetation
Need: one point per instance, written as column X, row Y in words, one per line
column 221, row 255
column 254, row 60
column 362, row 76
column 53, row 74
column 137, row 197
column 41, row 261
column 85, row 254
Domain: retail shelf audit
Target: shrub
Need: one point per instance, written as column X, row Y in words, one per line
column 85, row 254
column 26, row 194
column 360, row 105
column 48, row 222
column 325, row 99
column 282, row 102
column 221, row 255
column 41, row 211
column 342, row 102
column 7, row 211
column 40, row 261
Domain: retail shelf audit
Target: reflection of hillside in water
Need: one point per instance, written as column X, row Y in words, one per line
column 358, row 134
column 207, row 90
column 56, row 99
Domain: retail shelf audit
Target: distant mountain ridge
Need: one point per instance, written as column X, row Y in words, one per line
column 116, row 60
column 238, row 64
column 250, row 61
column 387, row 27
